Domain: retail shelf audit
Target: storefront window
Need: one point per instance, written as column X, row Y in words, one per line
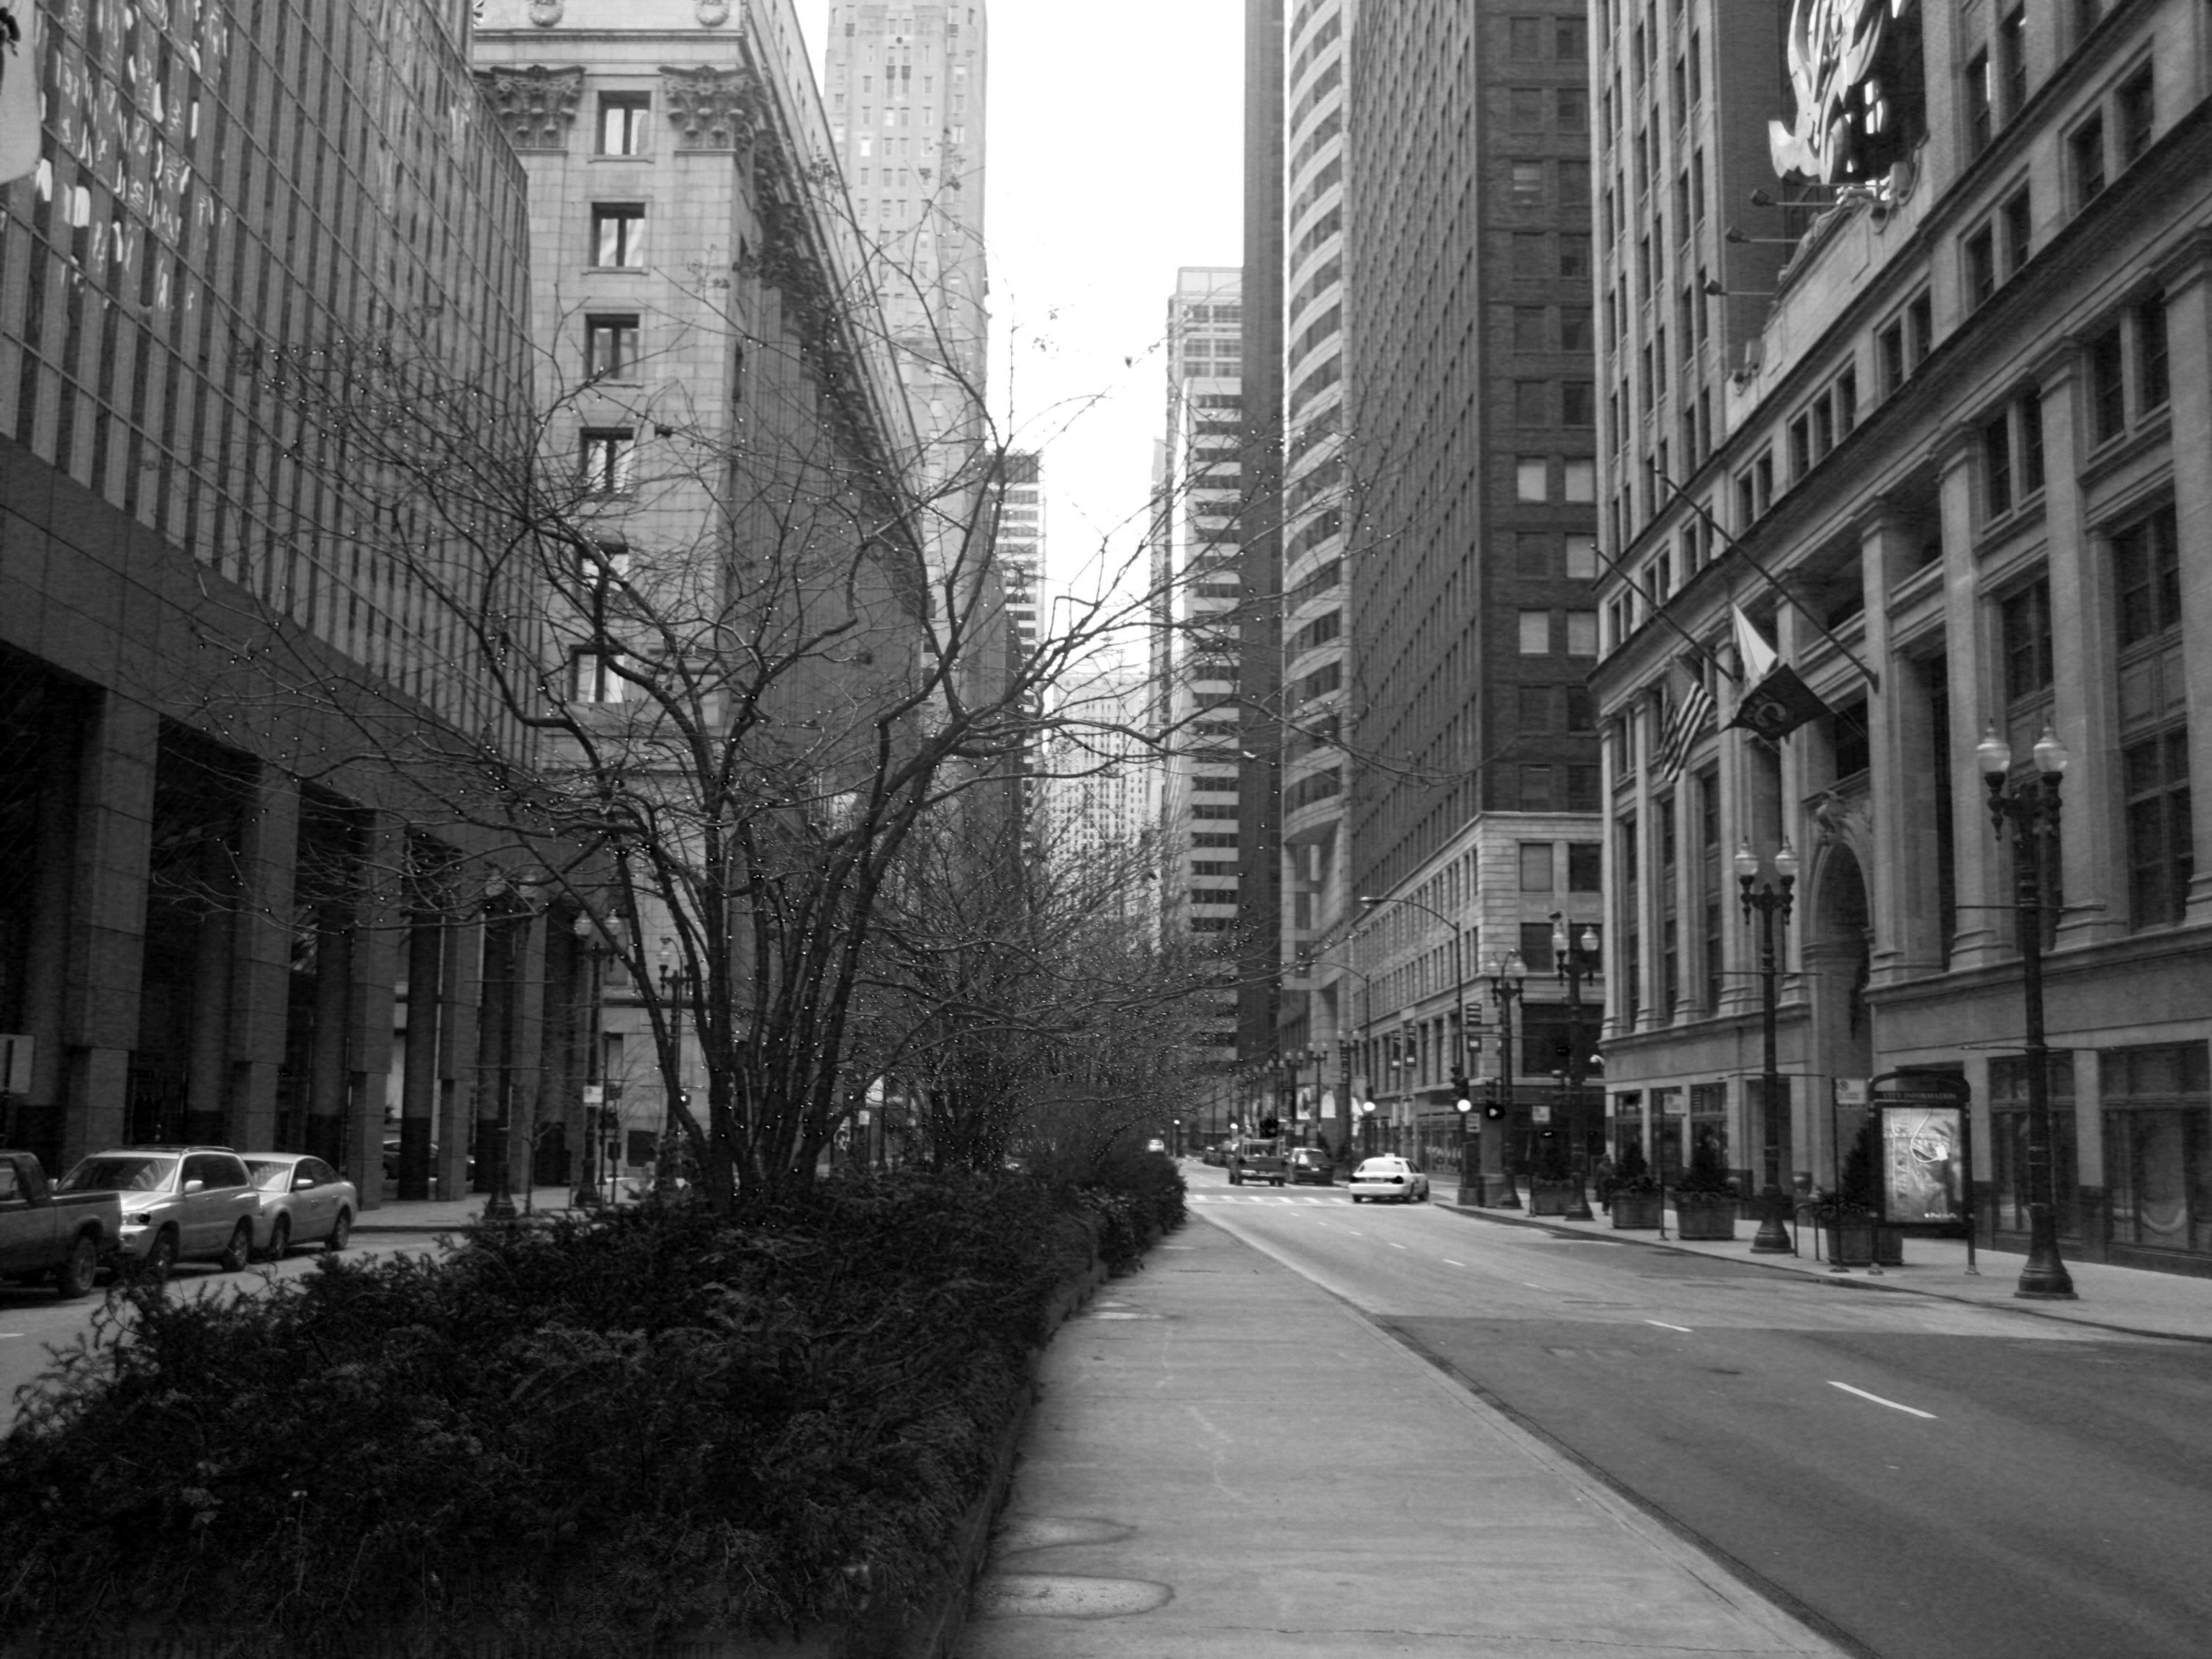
column 1708, row 1122
column 2008, row 1148
column 2158, row 1165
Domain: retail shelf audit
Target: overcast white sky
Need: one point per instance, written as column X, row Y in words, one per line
column 1114, row 156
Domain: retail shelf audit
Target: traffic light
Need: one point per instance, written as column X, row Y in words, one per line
column 1493, row 1100
column 1461, row 1085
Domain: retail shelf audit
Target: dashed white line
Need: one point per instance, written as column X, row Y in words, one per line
column 1448, row 1262
column 1395, row 1245
column 1664, row 1326
column 1910, row 1411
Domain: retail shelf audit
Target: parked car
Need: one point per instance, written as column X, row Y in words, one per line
column 1395, row 1178
column 1156, row 1144
column 1258, row 1161
column 302, row 1200
column 180, row 1203
column 1309, row 1166
column 48, row 1236
column 1216, row 1155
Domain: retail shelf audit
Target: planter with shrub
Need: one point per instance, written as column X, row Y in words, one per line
column 1634, row 1196
column 1851, row 1233
column 1552, row 1195
column 580, row 1437
column 1705, row 1200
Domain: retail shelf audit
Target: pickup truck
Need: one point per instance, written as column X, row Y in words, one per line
column 45, row 1235
column 1257, row 1160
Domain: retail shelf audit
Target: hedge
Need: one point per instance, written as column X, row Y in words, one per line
column 580, row 1437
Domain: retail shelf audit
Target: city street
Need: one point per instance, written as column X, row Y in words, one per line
column 1924, row 1477
column 31, row 1320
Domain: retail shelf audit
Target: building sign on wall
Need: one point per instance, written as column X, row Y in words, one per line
column 1855, row 70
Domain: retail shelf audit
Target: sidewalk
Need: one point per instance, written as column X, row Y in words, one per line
column 445, row 1215
column 1190, row 1486
column 2128, row 1299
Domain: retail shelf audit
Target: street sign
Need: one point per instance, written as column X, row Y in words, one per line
column 1850, row 1091
column 1539, row 1113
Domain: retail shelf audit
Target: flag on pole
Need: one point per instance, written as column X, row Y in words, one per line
column 19, row 90
column 1777, row 703
column 1689, row 710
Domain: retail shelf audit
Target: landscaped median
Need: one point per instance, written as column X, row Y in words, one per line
column 650, row 1431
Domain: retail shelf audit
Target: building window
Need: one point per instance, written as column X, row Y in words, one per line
column 1532, row 403
column 1889, row 348
column 608, row 455
column 2085, row 155
column 1981, row 116
column 2019, row 229
column 1997, row 466
column 593, row 678
column 2153, row 711
column 1981, row 265
column 1537, row 789
column 1573, row 254
column 610, row 347
column 1532, row 478
column 1531, row 253
column 1535, row 866
column 1582, row 556
column 1581, row 479
column 2136, row 106
column 1582, row 632
column 622, row 123
column 2010, row 87
column 2153, row 387
column 1578, row 402
column 1527, row 184
column 1535, row 710
column 2161, row 861
column 2008, row 1131
column 1535, row 633
column 619, row 235
column 2108, row 399
column 1919, row 330
column 2158, row 1152
column 2024, row 620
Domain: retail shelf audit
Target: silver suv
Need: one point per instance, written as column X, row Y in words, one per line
column 180, row 1203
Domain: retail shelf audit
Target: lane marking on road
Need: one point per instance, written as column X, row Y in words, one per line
column 1532, row 1284
column 4, row 1335
column 1910, row 1411
column 1395, row 1245
column 1664, row 1326
column 1448, row 1262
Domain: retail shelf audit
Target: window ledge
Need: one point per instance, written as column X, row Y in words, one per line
column 2148, row 432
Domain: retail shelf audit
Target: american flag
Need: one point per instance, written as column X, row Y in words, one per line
column 1690, row 710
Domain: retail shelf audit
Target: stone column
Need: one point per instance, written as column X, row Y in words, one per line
column 261, row 959
column 2189, row 345
column 113, row 841
column 2085, row 675
column 419, row 1092
column 368, row 1014
column 1983, row 937
column 460, row 994
column 40, row 1115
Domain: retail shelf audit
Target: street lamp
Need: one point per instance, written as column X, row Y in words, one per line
column 500, row 935
column 587, row 937
column 1769, row 901
column 2032, row 810
column 678, row 984
column 1575, row 957
column 1506, row 975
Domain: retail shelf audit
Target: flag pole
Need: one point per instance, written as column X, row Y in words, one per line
column 1871, row 680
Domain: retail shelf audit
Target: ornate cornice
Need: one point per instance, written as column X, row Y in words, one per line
column 535, row 104
column 710, row 108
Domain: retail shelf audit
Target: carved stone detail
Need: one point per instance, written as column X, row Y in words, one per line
column 535, row 104
column 710, row 108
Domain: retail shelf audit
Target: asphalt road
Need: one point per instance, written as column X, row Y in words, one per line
column 1926, row 1479
column 31, row 1322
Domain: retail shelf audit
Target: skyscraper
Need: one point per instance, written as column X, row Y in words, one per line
column 1469, row 464
column 1198, row 650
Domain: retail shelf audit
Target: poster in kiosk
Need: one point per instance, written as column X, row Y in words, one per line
column 1925, row 1135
